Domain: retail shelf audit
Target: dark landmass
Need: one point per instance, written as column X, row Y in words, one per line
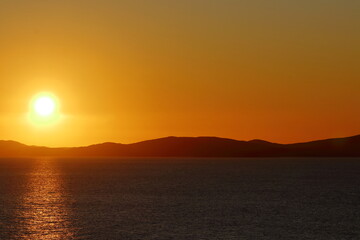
column 193, row 147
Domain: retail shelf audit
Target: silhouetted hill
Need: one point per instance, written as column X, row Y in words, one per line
column 194, row 147
column 349, row 147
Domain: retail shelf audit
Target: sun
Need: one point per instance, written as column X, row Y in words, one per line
column 44, row 106
column 44, row 109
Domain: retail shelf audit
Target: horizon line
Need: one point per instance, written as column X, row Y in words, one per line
column 109, row 142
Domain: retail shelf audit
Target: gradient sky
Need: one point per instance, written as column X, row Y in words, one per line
column 125, row 71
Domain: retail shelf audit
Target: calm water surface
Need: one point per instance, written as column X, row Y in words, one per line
column 179, row 198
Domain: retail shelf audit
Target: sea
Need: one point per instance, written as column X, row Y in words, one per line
column 180, row 198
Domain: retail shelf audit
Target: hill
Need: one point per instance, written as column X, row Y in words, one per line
column 194, row 147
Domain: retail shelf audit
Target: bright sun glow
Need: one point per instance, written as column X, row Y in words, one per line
column 44, row 106
column 44, row 109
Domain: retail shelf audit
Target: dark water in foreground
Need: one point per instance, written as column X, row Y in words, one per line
column 179, row 199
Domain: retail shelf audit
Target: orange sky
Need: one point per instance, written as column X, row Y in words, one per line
column 125, row 71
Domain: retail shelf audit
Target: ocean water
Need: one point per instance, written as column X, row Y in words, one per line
column 176, row 198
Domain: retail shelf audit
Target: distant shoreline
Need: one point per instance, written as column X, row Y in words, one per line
column 193, row 147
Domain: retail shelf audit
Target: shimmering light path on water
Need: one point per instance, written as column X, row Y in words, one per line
column 44, row 213
column 34, row 202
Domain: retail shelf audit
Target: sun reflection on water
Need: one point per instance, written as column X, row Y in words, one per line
column 44, row 210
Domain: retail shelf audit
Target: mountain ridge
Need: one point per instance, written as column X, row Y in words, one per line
column 203, row 146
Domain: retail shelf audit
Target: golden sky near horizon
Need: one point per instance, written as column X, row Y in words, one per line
column 125, row 71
